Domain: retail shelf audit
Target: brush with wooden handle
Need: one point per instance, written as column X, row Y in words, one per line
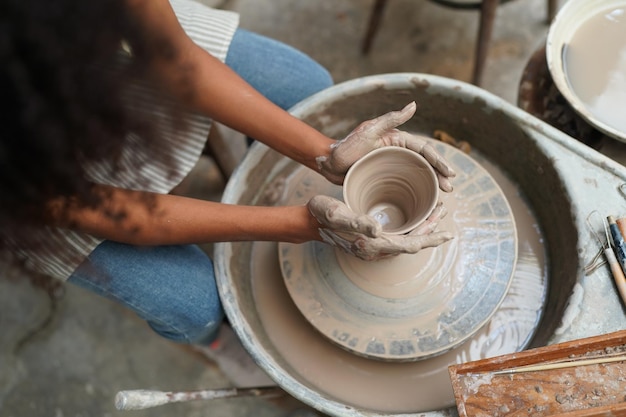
column 142, row 399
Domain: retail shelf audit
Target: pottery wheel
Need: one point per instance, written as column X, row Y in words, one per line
column 410, row 307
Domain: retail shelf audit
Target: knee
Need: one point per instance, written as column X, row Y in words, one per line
column 191, row 311
column 302, row 77
column 318, row 78
column 280, row 72
column 300, row 82
column 172, row 288
column 196, row 323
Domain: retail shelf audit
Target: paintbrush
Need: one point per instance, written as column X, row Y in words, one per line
column 561, row 365
column 141, row 399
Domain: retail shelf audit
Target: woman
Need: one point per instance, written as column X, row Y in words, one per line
column 98, row 134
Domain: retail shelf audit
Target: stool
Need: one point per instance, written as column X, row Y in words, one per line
column 487, row 16
column 220, row 151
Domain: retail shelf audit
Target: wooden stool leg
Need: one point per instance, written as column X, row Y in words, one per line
column 487, row 17
column 218, row 149
column 372, row 26
column 552, row 6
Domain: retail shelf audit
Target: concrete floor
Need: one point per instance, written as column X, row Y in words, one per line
column 88, row 348
column 414, row 36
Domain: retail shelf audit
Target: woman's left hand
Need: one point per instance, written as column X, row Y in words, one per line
column 376, row 133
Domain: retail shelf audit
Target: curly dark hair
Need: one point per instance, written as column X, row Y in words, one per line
column 61, row 106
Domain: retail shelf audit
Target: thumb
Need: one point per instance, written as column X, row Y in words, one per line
column 382, row 124
column 335, row 215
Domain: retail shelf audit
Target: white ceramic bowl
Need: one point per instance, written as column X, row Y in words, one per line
column 568, row 22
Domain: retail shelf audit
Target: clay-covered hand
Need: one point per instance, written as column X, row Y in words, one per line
column 362, row 236
column 376, row 133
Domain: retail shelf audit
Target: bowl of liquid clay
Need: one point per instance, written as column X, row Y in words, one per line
column 586, row 55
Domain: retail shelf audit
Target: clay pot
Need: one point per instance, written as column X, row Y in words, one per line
column 396, row 186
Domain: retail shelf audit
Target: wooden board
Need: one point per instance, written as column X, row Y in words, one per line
column 483, row 388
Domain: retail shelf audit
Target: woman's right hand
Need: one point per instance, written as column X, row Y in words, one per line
column 362, row 236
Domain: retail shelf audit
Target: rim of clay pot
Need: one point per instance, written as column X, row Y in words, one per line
column 422, row 166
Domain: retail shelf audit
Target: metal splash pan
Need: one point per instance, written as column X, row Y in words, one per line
column 560, row 179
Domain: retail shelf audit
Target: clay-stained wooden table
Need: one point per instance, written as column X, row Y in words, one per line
column 592, row 384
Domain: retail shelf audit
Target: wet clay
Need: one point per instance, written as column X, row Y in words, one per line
column 595, row 64
column 395, row 186
column 388, row 387
column 409, row 307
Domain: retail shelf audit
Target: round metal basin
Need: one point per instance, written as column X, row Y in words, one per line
column 561, row 181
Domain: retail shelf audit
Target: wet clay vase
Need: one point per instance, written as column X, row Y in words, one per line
column 396, row 186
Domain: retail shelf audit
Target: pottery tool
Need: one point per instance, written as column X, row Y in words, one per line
column 597, row 260
column 561, row 365
column 142, row 399
column 617, row 268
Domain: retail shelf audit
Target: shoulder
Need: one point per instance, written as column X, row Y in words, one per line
column 184, row 21
column 157, row 19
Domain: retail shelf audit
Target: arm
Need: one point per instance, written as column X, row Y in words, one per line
column 141, row 218
column 213, row 89
column 210, row 87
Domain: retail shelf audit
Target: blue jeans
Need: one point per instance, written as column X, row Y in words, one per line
column 173, row 287
column 279, row 72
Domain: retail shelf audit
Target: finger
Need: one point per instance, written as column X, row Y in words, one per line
column 365, row 225
column 350, row 247
column 444, row 183
column 333, row 239
column 378, row 126
column 335, row 215
column 389, row 245
column 421, row 146
column 430, row 224
column 415, row 244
